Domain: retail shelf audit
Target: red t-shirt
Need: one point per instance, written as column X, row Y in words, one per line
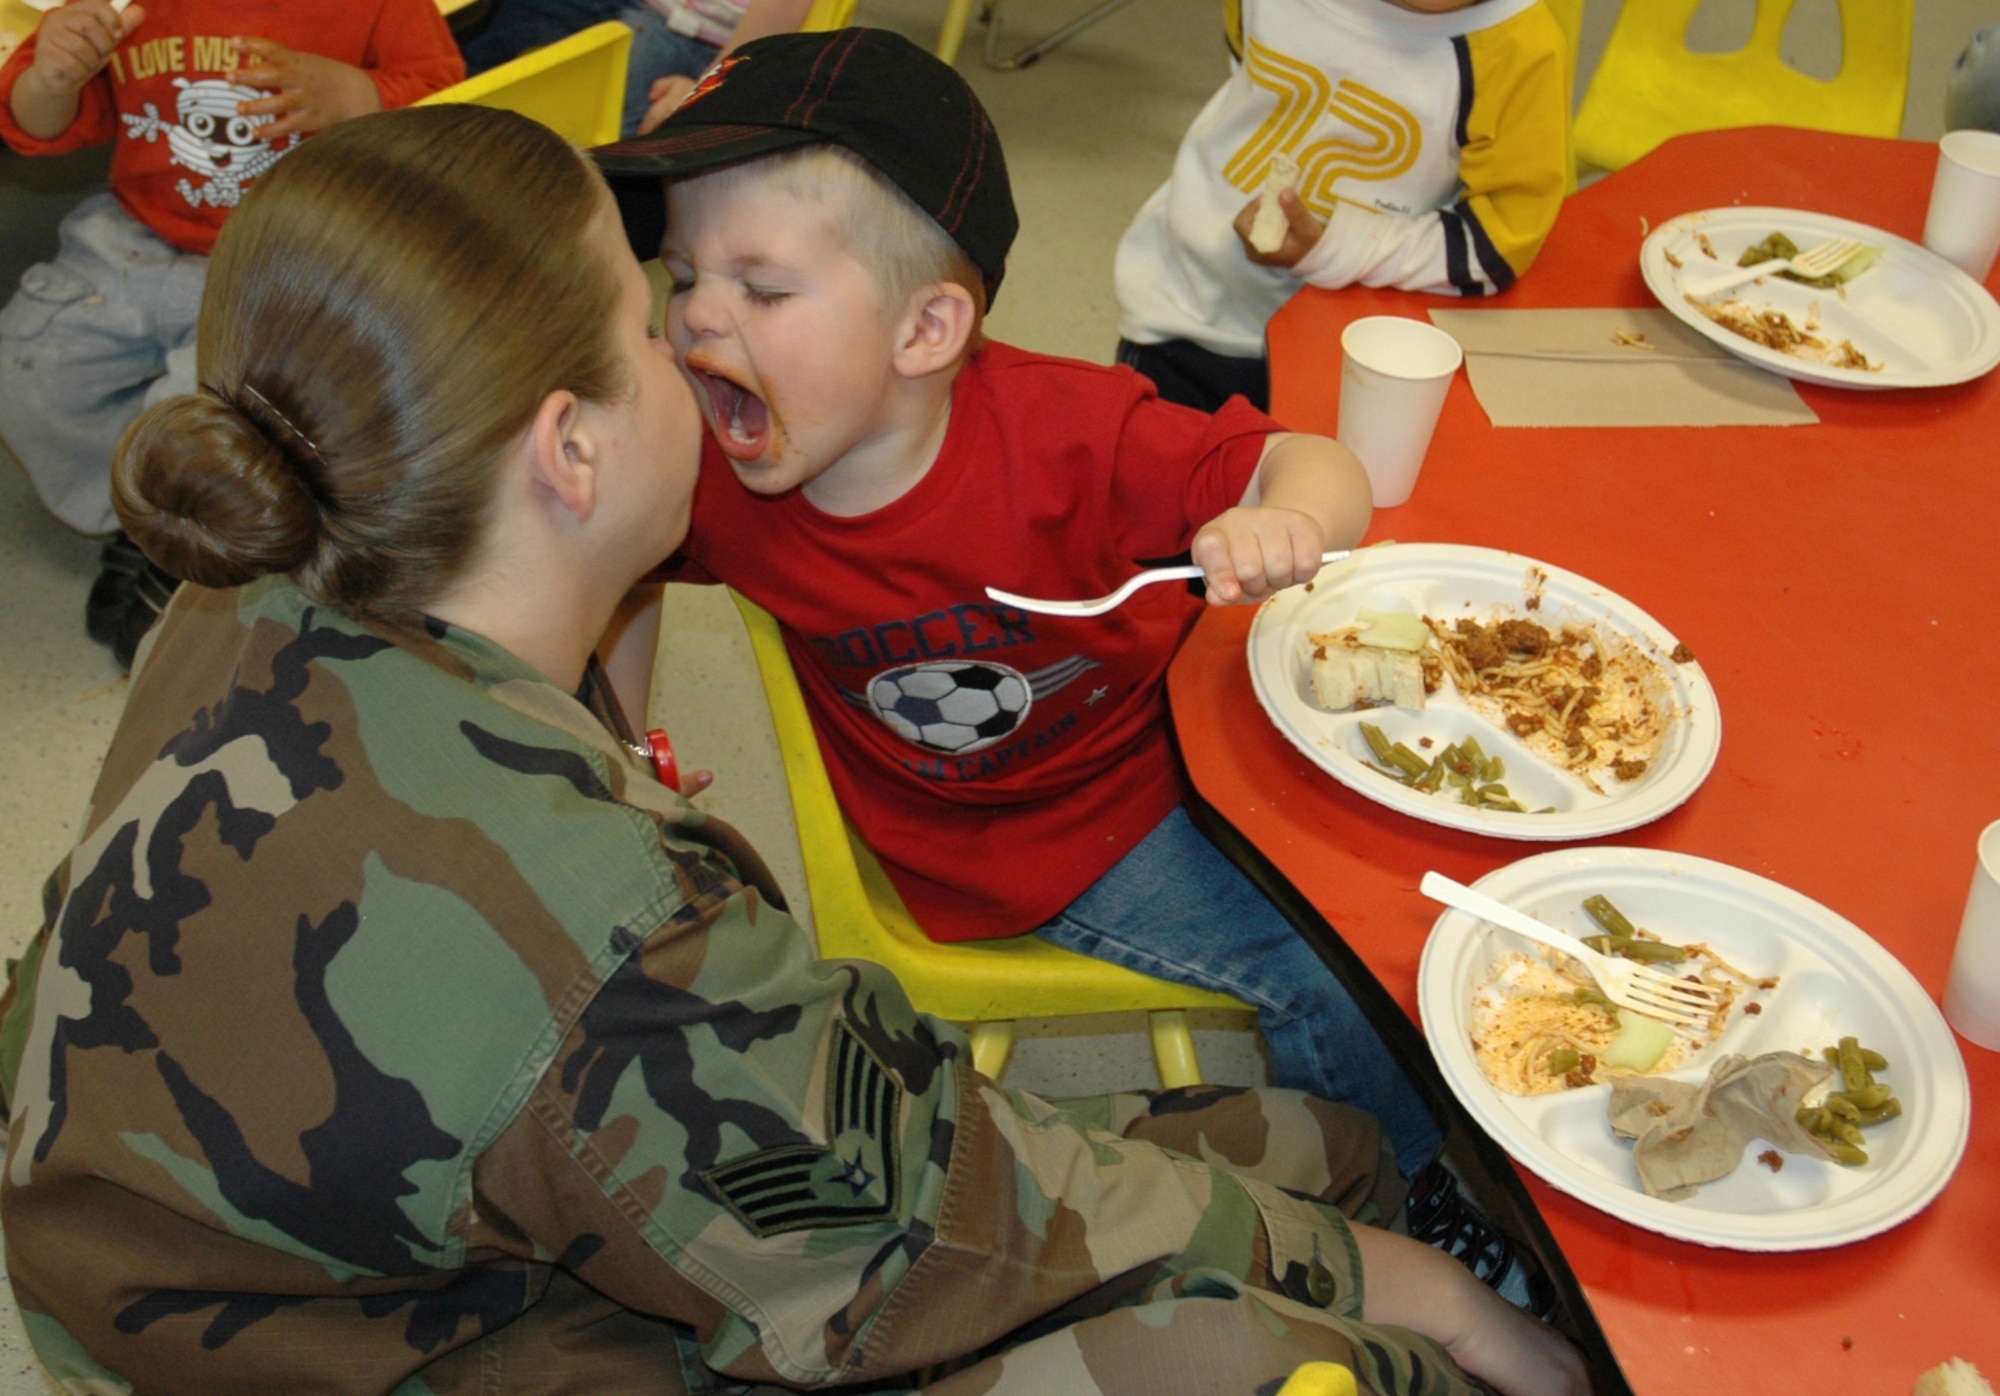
column 168, row 96
column 997, row 762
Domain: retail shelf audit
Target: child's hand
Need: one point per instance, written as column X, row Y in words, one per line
column 1249, row 552
column 663, row 96
column 1518, row 1354
column 1302, row 231
column 75, row 42
column 312, row 92
column 1412, row 1286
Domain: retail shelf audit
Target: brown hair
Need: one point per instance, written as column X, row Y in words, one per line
column 384, row 313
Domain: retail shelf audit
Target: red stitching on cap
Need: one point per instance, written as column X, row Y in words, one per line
column 792, row 114
column 976, row 154
column 703, row 139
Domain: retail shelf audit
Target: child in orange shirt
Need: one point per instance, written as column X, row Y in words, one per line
column 198, row 111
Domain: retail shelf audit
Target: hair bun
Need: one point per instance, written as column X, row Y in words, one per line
column 213, row 491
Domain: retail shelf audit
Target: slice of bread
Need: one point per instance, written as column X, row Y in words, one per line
column 1267, row 230
column 1954, row 1377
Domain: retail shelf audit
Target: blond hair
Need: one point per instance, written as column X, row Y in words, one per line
column 384, row 313
column 883, row 227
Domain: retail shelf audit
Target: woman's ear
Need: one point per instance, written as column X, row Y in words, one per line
column 939, row 326
column 562, row 456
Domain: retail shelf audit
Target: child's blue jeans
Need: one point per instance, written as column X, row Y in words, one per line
column 1176, row 908
column 657, row 51
column 89, row 341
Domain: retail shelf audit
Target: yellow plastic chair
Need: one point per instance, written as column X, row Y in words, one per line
column 1319, row 1379
column 985, row 985
column 575, row 86
column 838, row 14
column 1650, row 86
column 1569, row 14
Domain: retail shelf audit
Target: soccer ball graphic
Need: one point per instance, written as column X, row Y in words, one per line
column 954, row 706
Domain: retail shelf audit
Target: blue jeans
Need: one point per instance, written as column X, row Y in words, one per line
column 1176, row 908
column 89, row 341
column 657, row 51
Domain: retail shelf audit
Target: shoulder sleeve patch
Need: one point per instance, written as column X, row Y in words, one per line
column 853, row 1180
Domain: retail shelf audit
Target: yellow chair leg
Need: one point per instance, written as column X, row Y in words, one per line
column 992, row 1044
column 1173, row 1048
column 1319, row 1379
column 953, row 33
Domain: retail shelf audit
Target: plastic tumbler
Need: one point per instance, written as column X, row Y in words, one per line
column 1972, row 993
column 1394, row 373
column 1963, row 225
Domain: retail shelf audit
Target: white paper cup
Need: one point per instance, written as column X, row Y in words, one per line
column 1963, row 225
column 1972, row 993
column 1393, row 376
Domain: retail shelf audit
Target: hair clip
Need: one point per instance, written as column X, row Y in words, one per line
column 283, row 423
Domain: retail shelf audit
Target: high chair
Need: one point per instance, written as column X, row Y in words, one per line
column 985, row 985
column 575, row 86
column 1650, row 86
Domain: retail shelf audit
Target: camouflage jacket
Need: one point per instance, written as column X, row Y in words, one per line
column 394, row 1030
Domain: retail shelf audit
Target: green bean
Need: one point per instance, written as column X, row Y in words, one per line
column 1608, row 916
column 1592, row 998
column 1864, row 1103
column 1887, row 1110
column 1564, row 1060
column 1853, row 1074
column 1652, row 952
column 1464, row 766
column 1378, row 740
column 1496, row 797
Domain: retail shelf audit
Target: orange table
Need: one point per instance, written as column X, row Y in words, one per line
column 1841, row 585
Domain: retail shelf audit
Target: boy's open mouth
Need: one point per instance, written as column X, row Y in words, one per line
column 742, row 422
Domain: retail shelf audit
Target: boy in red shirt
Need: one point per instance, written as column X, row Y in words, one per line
column 198, row 111
column 837, row 218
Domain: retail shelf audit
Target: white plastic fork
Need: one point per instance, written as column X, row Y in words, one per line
column 1097, row 606
column 1682, row 1002
column 1813, row 262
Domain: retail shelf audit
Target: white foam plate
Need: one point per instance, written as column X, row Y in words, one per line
column 1925, row 321
column 1446, row 581
column 1834, row 981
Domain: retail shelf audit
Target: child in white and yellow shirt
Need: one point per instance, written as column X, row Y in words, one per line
column 1432, row 143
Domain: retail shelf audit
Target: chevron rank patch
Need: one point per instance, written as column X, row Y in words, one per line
column 852, row 1181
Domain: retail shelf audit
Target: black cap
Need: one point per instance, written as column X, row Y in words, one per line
column 905, row 112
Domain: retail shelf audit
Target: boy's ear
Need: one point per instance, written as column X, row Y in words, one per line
column 940, row 324
column 562, row 455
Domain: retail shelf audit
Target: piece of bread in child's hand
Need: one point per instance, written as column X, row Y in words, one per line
column 1267, row 230
column 1955, row 1377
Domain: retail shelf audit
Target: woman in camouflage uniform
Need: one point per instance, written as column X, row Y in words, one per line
column 394, row 1030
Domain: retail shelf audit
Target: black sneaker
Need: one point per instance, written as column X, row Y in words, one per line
column 1439, row 1215
column 127, row 597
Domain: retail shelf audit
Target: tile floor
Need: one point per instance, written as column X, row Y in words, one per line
column 1088, row 132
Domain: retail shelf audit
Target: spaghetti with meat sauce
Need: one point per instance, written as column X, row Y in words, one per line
column 1582, row 698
